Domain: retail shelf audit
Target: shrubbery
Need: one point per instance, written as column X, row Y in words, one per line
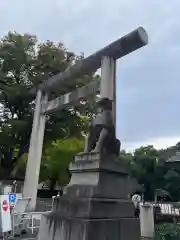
column 167, row 231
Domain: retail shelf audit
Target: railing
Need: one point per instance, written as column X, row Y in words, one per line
column 44, row 204
column 169, row 208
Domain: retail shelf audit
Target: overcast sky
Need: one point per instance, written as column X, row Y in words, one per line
column 148, row 80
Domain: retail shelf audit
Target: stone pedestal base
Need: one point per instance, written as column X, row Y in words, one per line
column 95, row 204
column 89, row 229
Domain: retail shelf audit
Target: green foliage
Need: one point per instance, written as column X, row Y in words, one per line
column 56, row 161
column 144, row 167
column 167, row 231
column 148, row 166
column 24, row 63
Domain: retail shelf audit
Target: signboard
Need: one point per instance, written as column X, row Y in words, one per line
column 12, row 200
column 136, row 199
column 5, row 205
column 5, row 215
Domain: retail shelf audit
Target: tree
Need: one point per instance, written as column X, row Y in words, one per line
column 149, row 167
column 143, row 169
column 24, row 63
column 169, row 173
column 56, row 161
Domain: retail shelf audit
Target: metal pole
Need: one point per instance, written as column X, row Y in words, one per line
column 35, row 152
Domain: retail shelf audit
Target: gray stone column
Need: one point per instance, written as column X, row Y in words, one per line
column 147, row 221
column 35, row 152
column 108, row 82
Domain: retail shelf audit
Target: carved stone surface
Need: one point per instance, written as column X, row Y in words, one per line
column 95, row 204
column 120, row 48
column 102, row 137
column 96, row 208
column 95, row 175
column 72, row 97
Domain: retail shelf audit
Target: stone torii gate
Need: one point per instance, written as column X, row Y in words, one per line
column 104, row 59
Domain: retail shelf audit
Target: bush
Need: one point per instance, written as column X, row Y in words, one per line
column 167, row 231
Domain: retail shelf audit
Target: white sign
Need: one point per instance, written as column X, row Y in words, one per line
column 136, row 199
column 5, row 215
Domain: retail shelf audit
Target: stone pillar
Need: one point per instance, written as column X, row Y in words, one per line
column 147, row 220
column 35, row 152
column 108, row 82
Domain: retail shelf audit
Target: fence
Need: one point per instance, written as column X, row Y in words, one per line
column 172, row 209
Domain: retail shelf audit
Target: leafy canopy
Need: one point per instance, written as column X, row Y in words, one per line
column 24, row 63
